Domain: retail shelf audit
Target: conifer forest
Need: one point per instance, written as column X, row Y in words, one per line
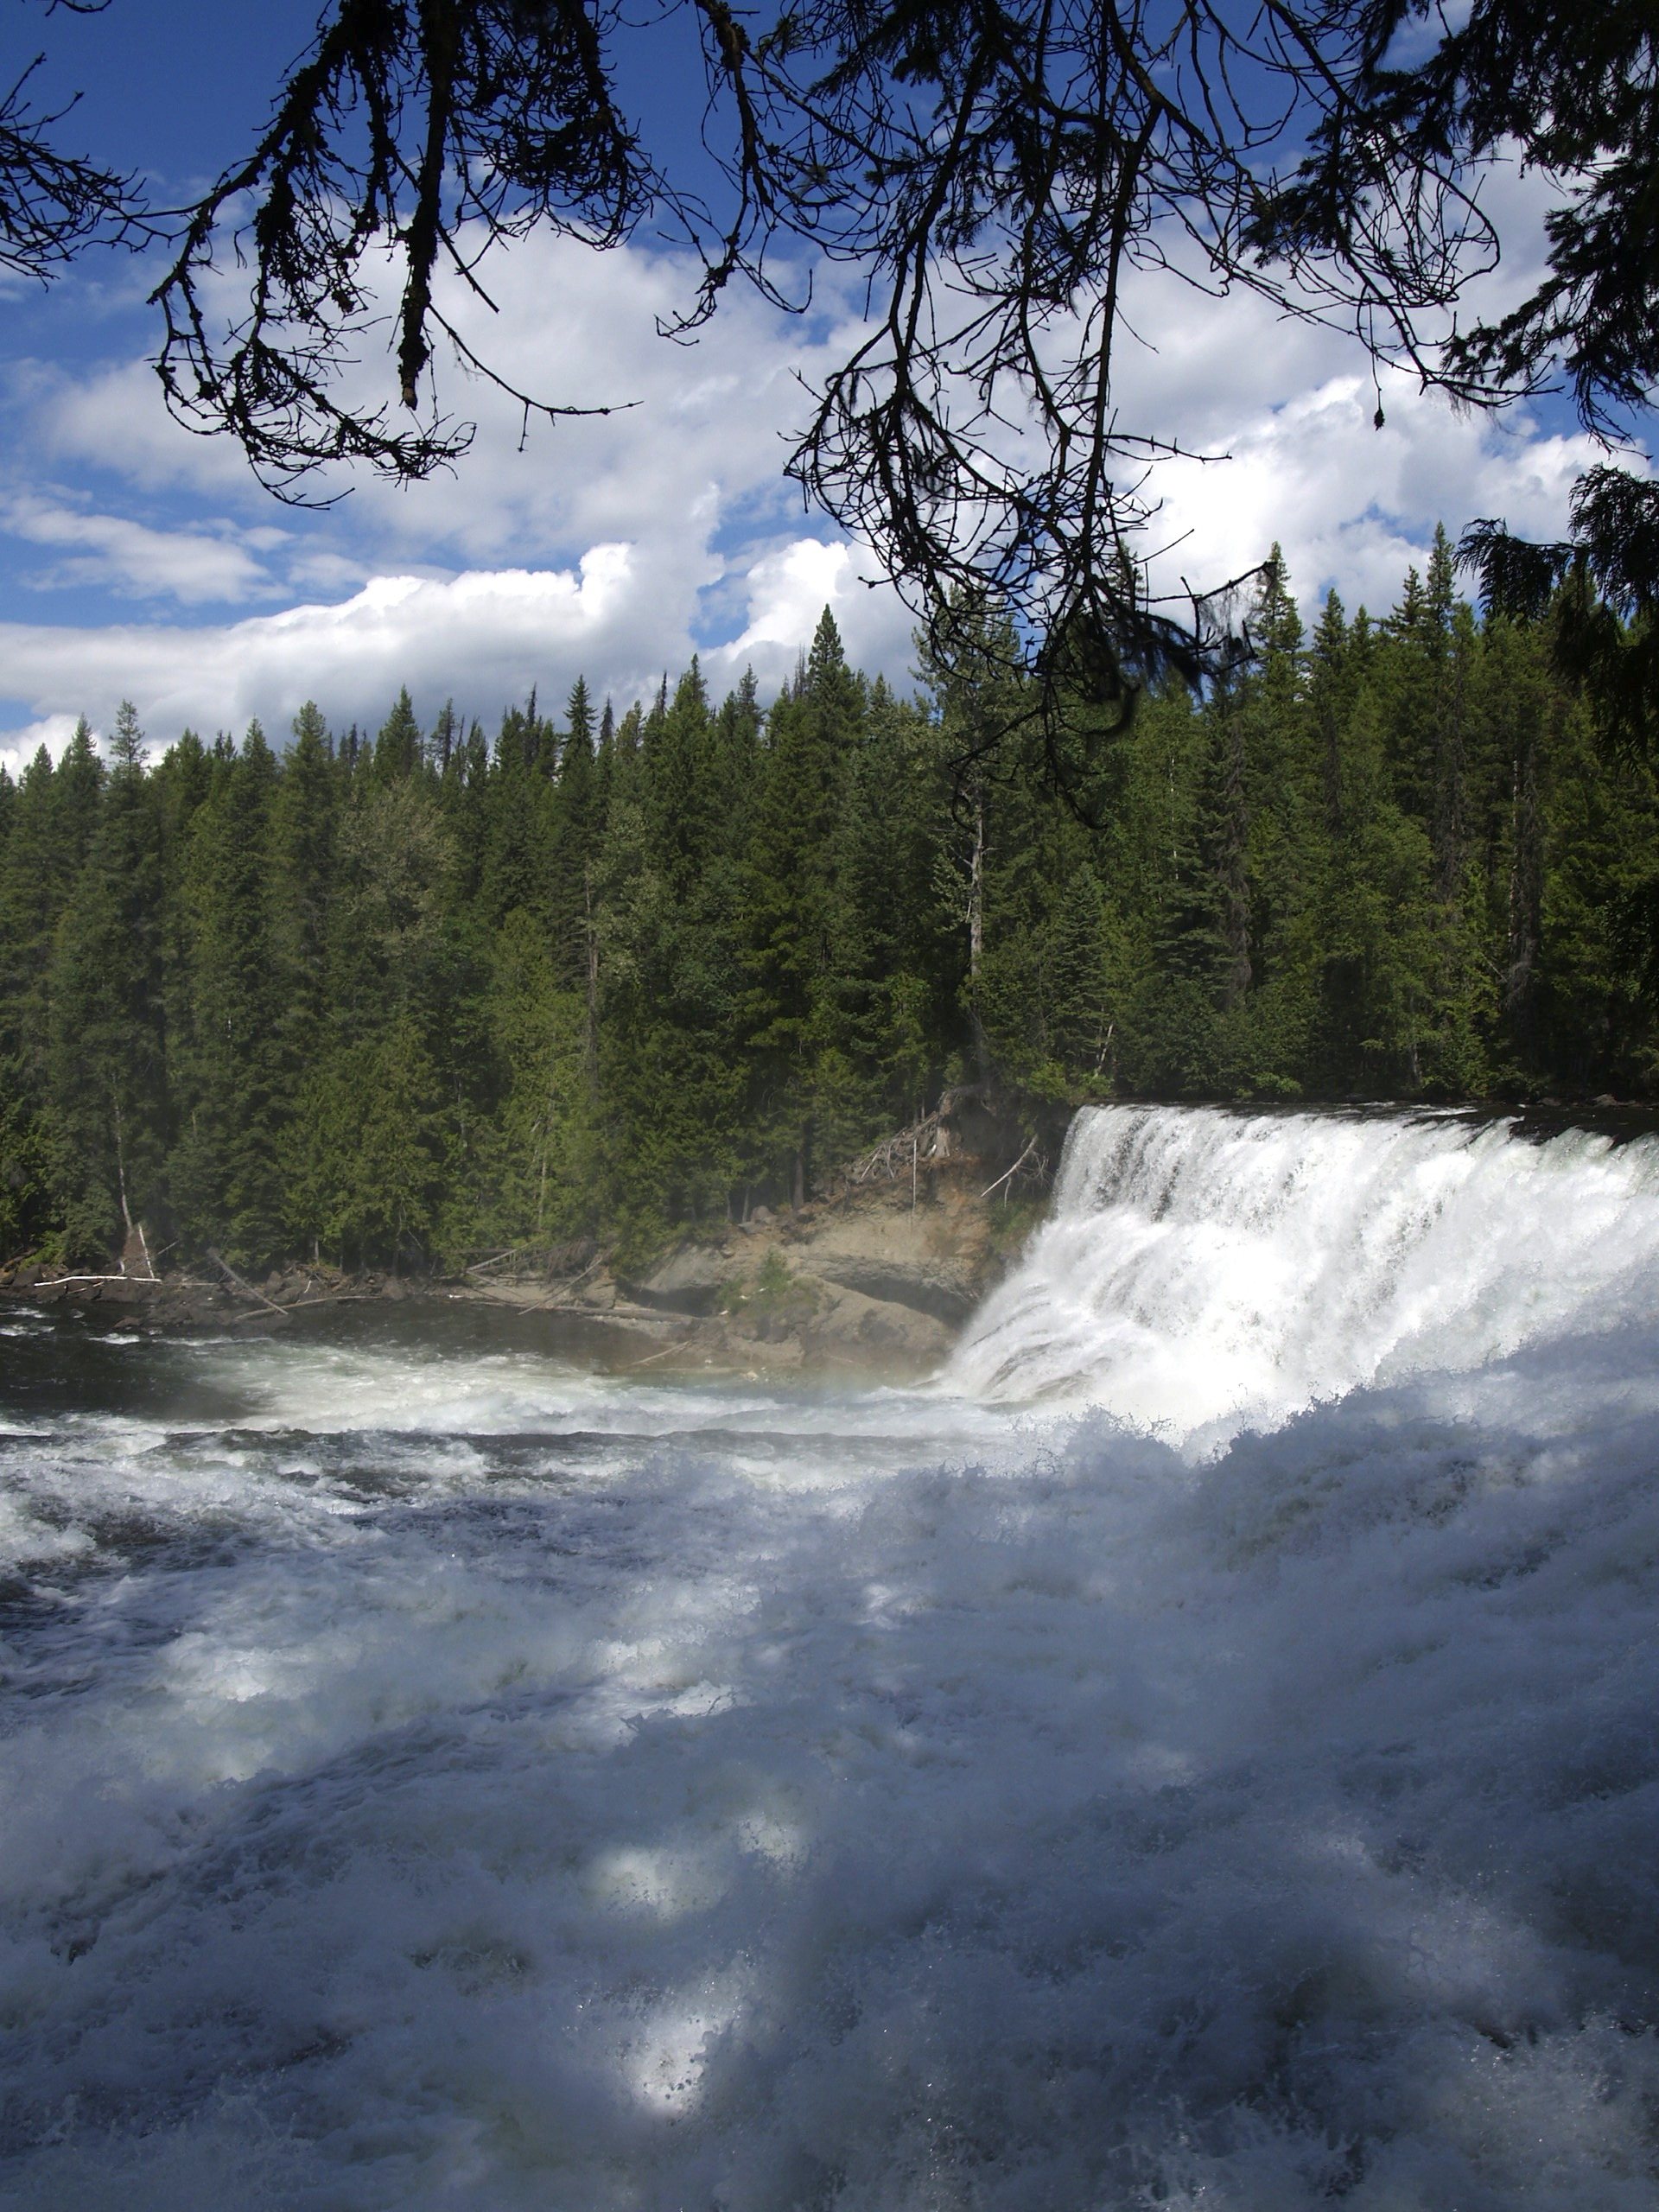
column 409, row 997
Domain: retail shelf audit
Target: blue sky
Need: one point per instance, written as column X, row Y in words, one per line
column 136, row 561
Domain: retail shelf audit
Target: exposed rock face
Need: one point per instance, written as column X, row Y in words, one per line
column 935, row 1258
column 878, row 1280
column 939, row 1292
column 688, row 1281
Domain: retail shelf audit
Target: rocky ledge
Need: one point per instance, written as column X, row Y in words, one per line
column 868, row 1282
column 877, row 1279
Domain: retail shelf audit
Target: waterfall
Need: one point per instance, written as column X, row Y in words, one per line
column 1206, row 1270
column 437, row 1777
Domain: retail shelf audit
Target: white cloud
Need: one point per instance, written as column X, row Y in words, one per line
column 215, row 562
column 689, row 482
column 19, row 746
column 697, row 428
column 483, row 637
column 486, row 636
column 1353, row 507
column 1287, row 405
column 786, row 591
column 612, row 546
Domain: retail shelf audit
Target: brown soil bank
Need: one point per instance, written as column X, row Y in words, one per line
column 877, row 1280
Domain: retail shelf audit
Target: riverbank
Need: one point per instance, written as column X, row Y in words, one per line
column 876, row 1281
column 879, row 1281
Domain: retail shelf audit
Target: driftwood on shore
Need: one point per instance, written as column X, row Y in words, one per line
column 134, row 1299
column 901, row 1152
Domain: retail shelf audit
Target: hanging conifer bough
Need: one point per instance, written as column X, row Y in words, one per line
column 53, row 204
column 1000, row 173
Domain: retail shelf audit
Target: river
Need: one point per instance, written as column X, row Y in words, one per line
column 1200, row 1751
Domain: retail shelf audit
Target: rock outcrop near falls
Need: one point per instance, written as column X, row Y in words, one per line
column 878, row 1278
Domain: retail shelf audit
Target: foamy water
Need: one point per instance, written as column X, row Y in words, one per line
column 437, row 1777
column 1205, row 1270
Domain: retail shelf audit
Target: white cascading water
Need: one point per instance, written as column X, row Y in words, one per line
column 1207, row 1270
column 437, row 1777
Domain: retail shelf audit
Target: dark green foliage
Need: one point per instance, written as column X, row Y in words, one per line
column 226, row 1184
column 106, row 1057
column 418, row 999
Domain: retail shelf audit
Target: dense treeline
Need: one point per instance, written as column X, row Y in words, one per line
column 423, row 994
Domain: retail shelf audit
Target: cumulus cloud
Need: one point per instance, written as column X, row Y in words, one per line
column 213, row 562
column 483, row 636
column 615, row 546
column 484, row 639
column 787, row 590
column 676, row 505
column 1353, row 507
column 19, row 746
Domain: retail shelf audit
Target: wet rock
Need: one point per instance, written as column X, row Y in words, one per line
column 854, row 1326
column 689, row 1280
column 943, row 1289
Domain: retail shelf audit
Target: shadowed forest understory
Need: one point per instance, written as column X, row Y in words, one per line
column 418, row 995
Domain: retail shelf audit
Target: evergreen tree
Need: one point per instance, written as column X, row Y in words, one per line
column 398, row 750
column 401, row 1000
column 303, row 828
column 812, row 735
column 226, row 1182
column 107, row 1050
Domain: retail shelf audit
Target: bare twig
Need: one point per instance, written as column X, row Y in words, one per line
column 241, row 1283
column 1009, row 1173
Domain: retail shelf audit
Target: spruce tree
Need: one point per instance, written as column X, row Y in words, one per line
column 226, row 1179
column 812, row 735
column 107, row 1084
column 398, row 750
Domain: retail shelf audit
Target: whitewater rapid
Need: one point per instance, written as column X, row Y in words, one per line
column 1201, row 1752
column 1207, row 1270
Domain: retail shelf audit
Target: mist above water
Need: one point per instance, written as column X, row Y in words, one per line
column 1201, row 1752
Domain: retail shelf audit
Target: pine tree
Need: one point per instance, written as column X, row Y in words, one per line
column 226, row 1179
column 811, row 736
column 399, row 751
column 55, row 816
column 517, row 870
column 303, row 830
column 108, row 1101
column 578, row 830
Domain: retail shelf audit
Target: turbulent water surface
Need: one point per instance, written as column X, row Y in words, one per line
column 1201, row 1752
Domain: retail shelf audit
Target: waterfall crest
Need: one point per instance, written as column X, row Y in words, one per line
column 1206, row 1269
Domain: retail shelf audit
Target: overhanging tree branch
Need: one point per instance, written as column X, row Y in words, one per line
column 1003, row 175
